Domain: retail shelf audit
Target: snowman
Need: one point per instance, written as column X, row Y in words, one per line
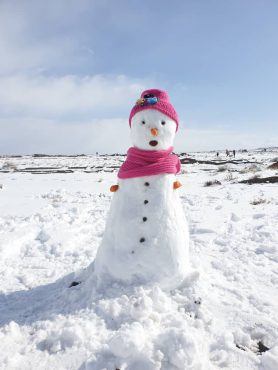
column 146, row 235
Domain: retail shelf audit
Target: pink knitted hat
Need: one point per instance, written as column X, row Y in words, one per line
column 155, row 99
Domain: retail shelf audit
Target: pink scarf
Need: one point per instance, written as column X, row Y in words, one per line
column 148, row 162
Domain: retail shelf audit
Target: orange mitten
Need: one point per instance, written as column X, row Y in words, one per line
column 114, row 188
column 177, row 184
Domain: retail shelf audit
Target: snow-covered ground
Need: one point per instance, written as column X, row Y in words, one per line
column 50, row 227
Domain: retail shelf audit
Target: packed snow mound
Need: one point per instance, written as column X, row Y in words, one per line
column 151, row 330
column 122, row 328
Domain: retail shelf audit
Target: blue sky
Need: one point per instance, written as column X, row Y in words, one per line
column 71, row 70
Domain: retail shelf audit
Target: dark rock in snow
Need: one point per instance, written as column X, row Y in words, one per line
column 259, row 180
column 262, row 348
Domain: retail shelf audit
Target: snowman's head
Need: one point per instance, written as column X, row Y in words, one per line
column 153, row 121
column 152, row 130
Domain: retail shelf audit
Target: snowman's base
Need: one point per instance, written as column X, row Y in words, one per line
column 190, row 279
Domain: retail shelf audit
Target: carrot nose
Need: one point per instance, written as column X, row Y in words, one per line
column 154, row 131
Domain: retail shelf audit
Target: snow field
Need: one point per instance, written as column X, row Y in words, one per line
column 50, row 228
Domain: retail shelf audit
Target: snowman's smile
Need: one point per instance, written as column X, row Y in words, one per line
column 153, row 143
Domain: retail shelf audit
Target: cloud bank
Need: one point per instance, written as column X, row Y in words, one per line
column 49, row 96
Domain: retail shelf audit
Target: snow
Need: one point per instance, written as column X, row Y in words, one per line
column 50, row 228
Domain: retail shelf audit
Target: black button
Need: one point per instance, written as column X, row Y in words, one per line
column 147, row 183
column 146, row 201
column 142, row 240
column 144, row 219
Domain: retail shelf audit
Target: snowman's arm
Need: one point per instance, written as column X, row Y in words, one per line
column 114, row 188
column 176, row 184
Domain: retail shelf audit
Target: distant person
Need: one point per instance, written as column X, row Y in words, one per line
column 217, row 154
column 234, row 153
column 227, row 153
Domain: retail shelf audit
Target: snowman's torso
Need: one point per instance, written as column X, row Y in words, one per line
column 146, row 235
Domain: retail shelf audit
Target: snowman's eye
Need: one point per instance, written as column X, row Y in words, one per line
column 163, row 123
column 143, row 122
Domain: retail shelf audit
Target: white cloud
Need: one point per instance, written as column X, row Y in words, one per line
column 31, row 135
column 48, row 96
